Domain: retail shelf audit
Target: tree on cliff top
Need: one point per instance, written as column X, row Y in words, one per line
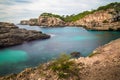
column 73, row 17
column 51, row 15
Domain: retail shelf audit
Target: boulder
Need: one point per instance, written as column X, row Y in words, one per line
column 75, row 54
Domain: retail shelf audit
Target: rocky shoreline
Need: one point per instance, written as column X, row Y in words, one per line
column 103, row 64
column 11, row 35
column 101, row 21
column 105, row 18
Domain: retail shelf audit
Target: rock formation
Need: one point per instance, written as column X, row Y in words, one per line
column 103, row 64
column 32, row 21
column 101, row 20
column 44, row 21
column 104, row 18
column 75, row 54
column 50, row 21
column 12, row 35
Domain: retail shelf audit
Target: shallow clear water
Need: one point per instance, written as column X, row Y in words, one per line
column 63, row 40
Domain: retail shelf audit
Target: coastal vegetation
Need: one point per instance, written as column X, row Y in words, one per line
column 104, row 66
column 51, row 15
column 115, row 5
column 75, row 17
column 64, row 67
column 103, row 18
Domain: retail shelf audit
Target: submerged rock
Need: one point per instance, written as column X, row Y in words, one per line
column 75, row 54
column 10, row 35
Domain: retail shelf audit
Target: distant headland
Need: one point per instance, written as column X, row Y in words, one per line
column 104, row 18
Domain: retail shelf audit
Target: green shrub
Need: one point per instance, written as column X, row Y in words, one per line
column 51, row 15
column 64, row 67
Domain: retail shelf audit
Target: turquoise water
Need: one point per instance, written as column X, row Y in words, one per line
column 63, row 40
column 10, row 56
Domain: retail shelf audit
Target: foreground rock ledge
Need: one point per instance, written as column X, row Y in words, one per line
column 104, row 64
column 11, row 35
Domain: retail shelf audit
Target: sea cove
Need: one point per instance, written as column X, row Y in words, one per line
column 63, row 40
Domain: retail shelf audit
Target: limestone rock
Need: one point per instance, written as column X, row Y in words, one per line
column 50, row 21
column 101, row 20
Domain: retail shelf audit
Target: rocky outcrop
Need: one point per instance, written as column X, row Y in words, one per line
column 103, row 64
column 50, row 21
column 32, row 21
column 101, row 20
column 10, row 35
column 104, row 18
column 44, row 21
column 75, row 54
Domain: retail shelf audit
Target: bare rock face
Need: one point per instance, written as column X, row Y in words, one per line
column 12, row 35
column 33, row 21
column 50, row 21
column 101, row 20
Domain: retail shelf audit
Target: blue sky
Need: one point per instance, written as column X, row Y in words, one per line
column 15, row 10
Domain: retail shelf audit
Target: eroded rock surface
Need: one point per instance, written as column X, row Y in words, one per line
column 101, row 20
column 10, row 35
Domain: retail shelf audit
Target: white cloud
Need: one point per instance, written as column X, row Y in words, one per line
column 15, row 10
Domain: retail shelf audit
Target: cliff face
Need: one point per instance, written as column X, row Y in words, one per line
column 104, row 18
column 101, row 20
column 12, row 35
column 50, row 21
column 103, row 64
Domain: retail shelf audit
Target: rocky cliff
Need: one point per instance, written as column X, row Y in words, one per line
column 101, row 20
column 102, row 64
column 50, row 21
column 104, row 18
column 10, row 35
